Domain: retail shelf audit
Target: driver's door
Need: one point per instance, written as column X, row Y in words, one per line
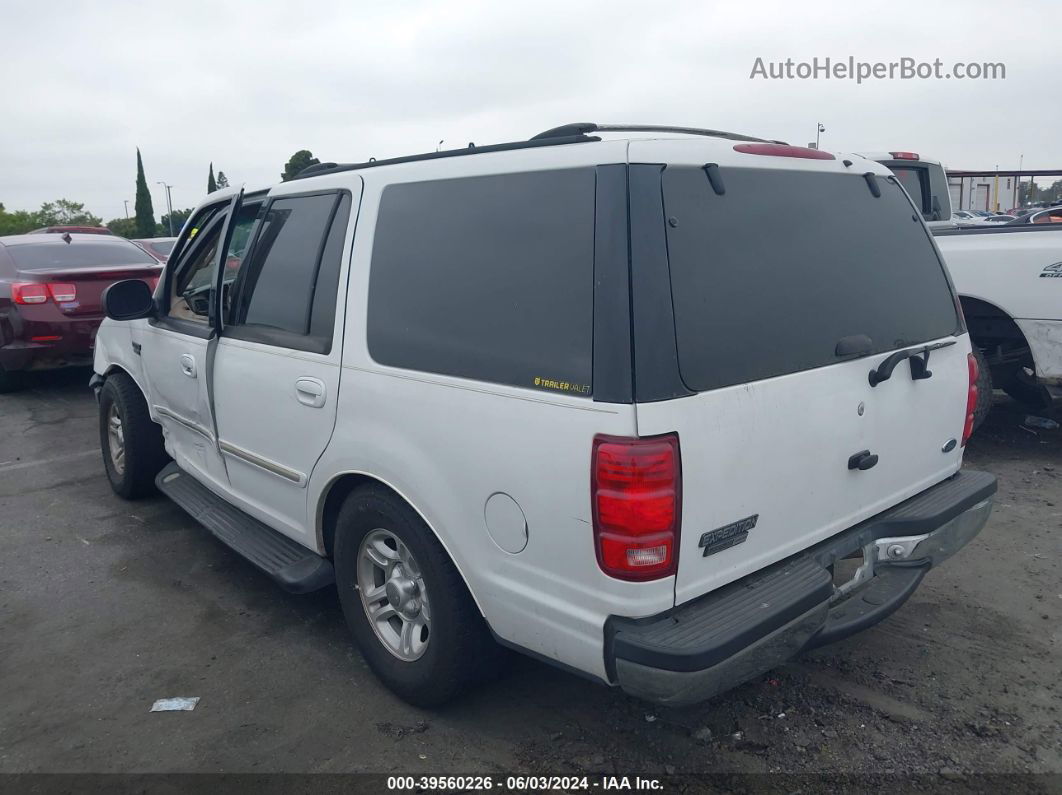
column 177, row 343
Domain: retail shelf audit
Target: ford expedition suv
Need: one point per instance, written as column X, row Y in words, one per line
column 635, row 401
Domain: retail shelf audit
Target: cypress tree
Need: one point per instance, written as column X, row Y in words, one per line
column 211, row 184
column 145, row 213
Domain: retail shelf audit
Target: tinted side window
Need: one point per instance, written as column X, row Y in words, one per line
column 284, row 261
column 489, row 278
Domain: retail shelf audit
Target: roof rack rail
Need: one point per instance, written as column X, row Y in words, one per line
column 584, row 127
column 319, row 169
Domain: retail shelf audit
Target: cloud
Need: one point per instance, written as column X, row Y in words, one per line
column 246, row 84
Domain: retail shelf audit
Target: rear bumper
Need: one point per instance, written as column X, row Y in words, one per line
column 36, row 347
column 707, row 646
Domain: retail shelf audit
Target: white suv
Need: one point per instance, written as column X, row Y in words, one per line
column 660, row 406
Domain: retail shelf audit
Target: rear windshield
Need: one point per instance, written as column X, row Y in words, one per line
column 162, row 246
column 43, row 256
column 768, row 277
column 914, row 179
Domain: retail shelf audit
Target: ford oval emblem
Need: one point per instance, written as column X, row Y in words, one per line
column 948, row 446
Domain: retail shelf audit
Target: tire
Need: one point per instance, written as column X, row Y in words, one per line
column 456, row 649
column 1024, row 389
column 144, row 453
column 11, row 381
column 984, row 389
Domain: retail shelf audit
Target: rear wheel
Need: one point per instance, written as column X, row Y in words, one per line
column 11, row 380
column 405, row 602
column 984, row 389
column 1023, row 388
column 133, row 450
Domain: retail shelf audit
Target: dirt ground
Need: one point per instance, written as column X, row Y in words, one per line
column 106, row 606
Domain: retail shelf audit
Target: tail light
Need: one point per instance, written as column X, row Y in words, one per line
column 22, row 293
column 36, row 293
column 971, row 398
column 783, row 150
column 62, row 293
column 904, row 155
column 635, row 491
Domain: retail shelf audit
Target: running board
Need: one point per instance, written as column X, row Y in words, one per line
column 293, row 567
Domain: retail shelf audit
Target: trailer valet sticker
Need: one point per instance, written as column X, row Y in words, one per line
column 728, row 535
column 1053, row 271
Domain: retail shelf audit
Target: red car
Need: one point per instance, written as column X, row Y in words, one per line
column 158, row 247
column 82, row 230
column 50, row 297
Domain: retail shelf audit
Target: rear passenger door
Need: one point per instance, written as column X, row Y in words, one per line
column 276, row 371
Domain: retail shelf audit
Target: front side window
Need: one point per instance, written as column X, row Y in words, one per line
column 489, row 278
column 190, row 293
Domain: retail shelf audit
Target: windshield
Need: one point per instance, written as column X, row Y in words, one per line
column 769, row 277
column 41, row 256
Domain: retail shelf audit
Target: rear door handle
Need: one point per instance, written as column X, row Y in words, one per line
column 188, row 365
column 310, row 392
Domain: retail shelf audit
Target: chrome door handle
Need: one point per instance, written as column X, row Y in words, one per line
column 310, row 392
column 188, row 365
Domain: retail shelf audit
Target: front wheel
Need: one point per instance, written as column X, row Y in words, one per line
column 133, row 450
column 405, row 602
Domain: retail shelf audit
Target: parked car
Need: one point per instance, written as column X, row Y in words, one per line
column 157, row 247
column 1009, row 279
column 563, row 395
column 73, row 230
column 50, row 291
column 1051, row 215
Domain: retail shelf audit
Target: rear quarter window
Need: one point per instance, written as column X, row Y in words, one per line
column 767, row 278
column 489, row 278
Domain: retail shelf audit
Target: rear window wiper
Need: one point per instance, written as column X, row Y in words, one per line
column 919, row 358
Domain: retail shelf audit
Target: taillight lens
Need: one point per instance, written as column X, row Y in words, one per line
column 36, row 293
column 635, row 491
column 783, row 150
column 63, row 293
column 971, row 398
column 904, row 155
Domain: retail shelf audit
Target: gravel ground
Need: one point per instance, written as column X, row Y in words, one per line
column 106, row 606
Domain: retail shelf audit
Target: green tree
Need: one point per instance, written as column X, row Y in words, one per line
column 223, row 181
column 300, row 160
column 179, row 217
column 145, row 213
column 17, row 222
column 62, row 212
column 123, row 227
column 211, row 184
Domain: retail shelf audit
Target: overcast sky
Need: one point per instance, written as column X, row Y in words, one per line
column 246, row 84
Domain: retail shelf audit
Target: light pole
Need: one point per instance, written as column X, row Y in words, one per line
column 439, row 146
column 126, row 203
column 169, row 205
column 818, row 129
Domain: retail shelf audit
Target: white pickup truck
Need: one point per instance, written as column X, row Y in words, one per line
column 1009, row 280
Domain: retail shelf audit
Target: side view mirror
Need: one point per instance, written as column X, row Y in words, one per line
column 128, row 299
column 936, row 209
